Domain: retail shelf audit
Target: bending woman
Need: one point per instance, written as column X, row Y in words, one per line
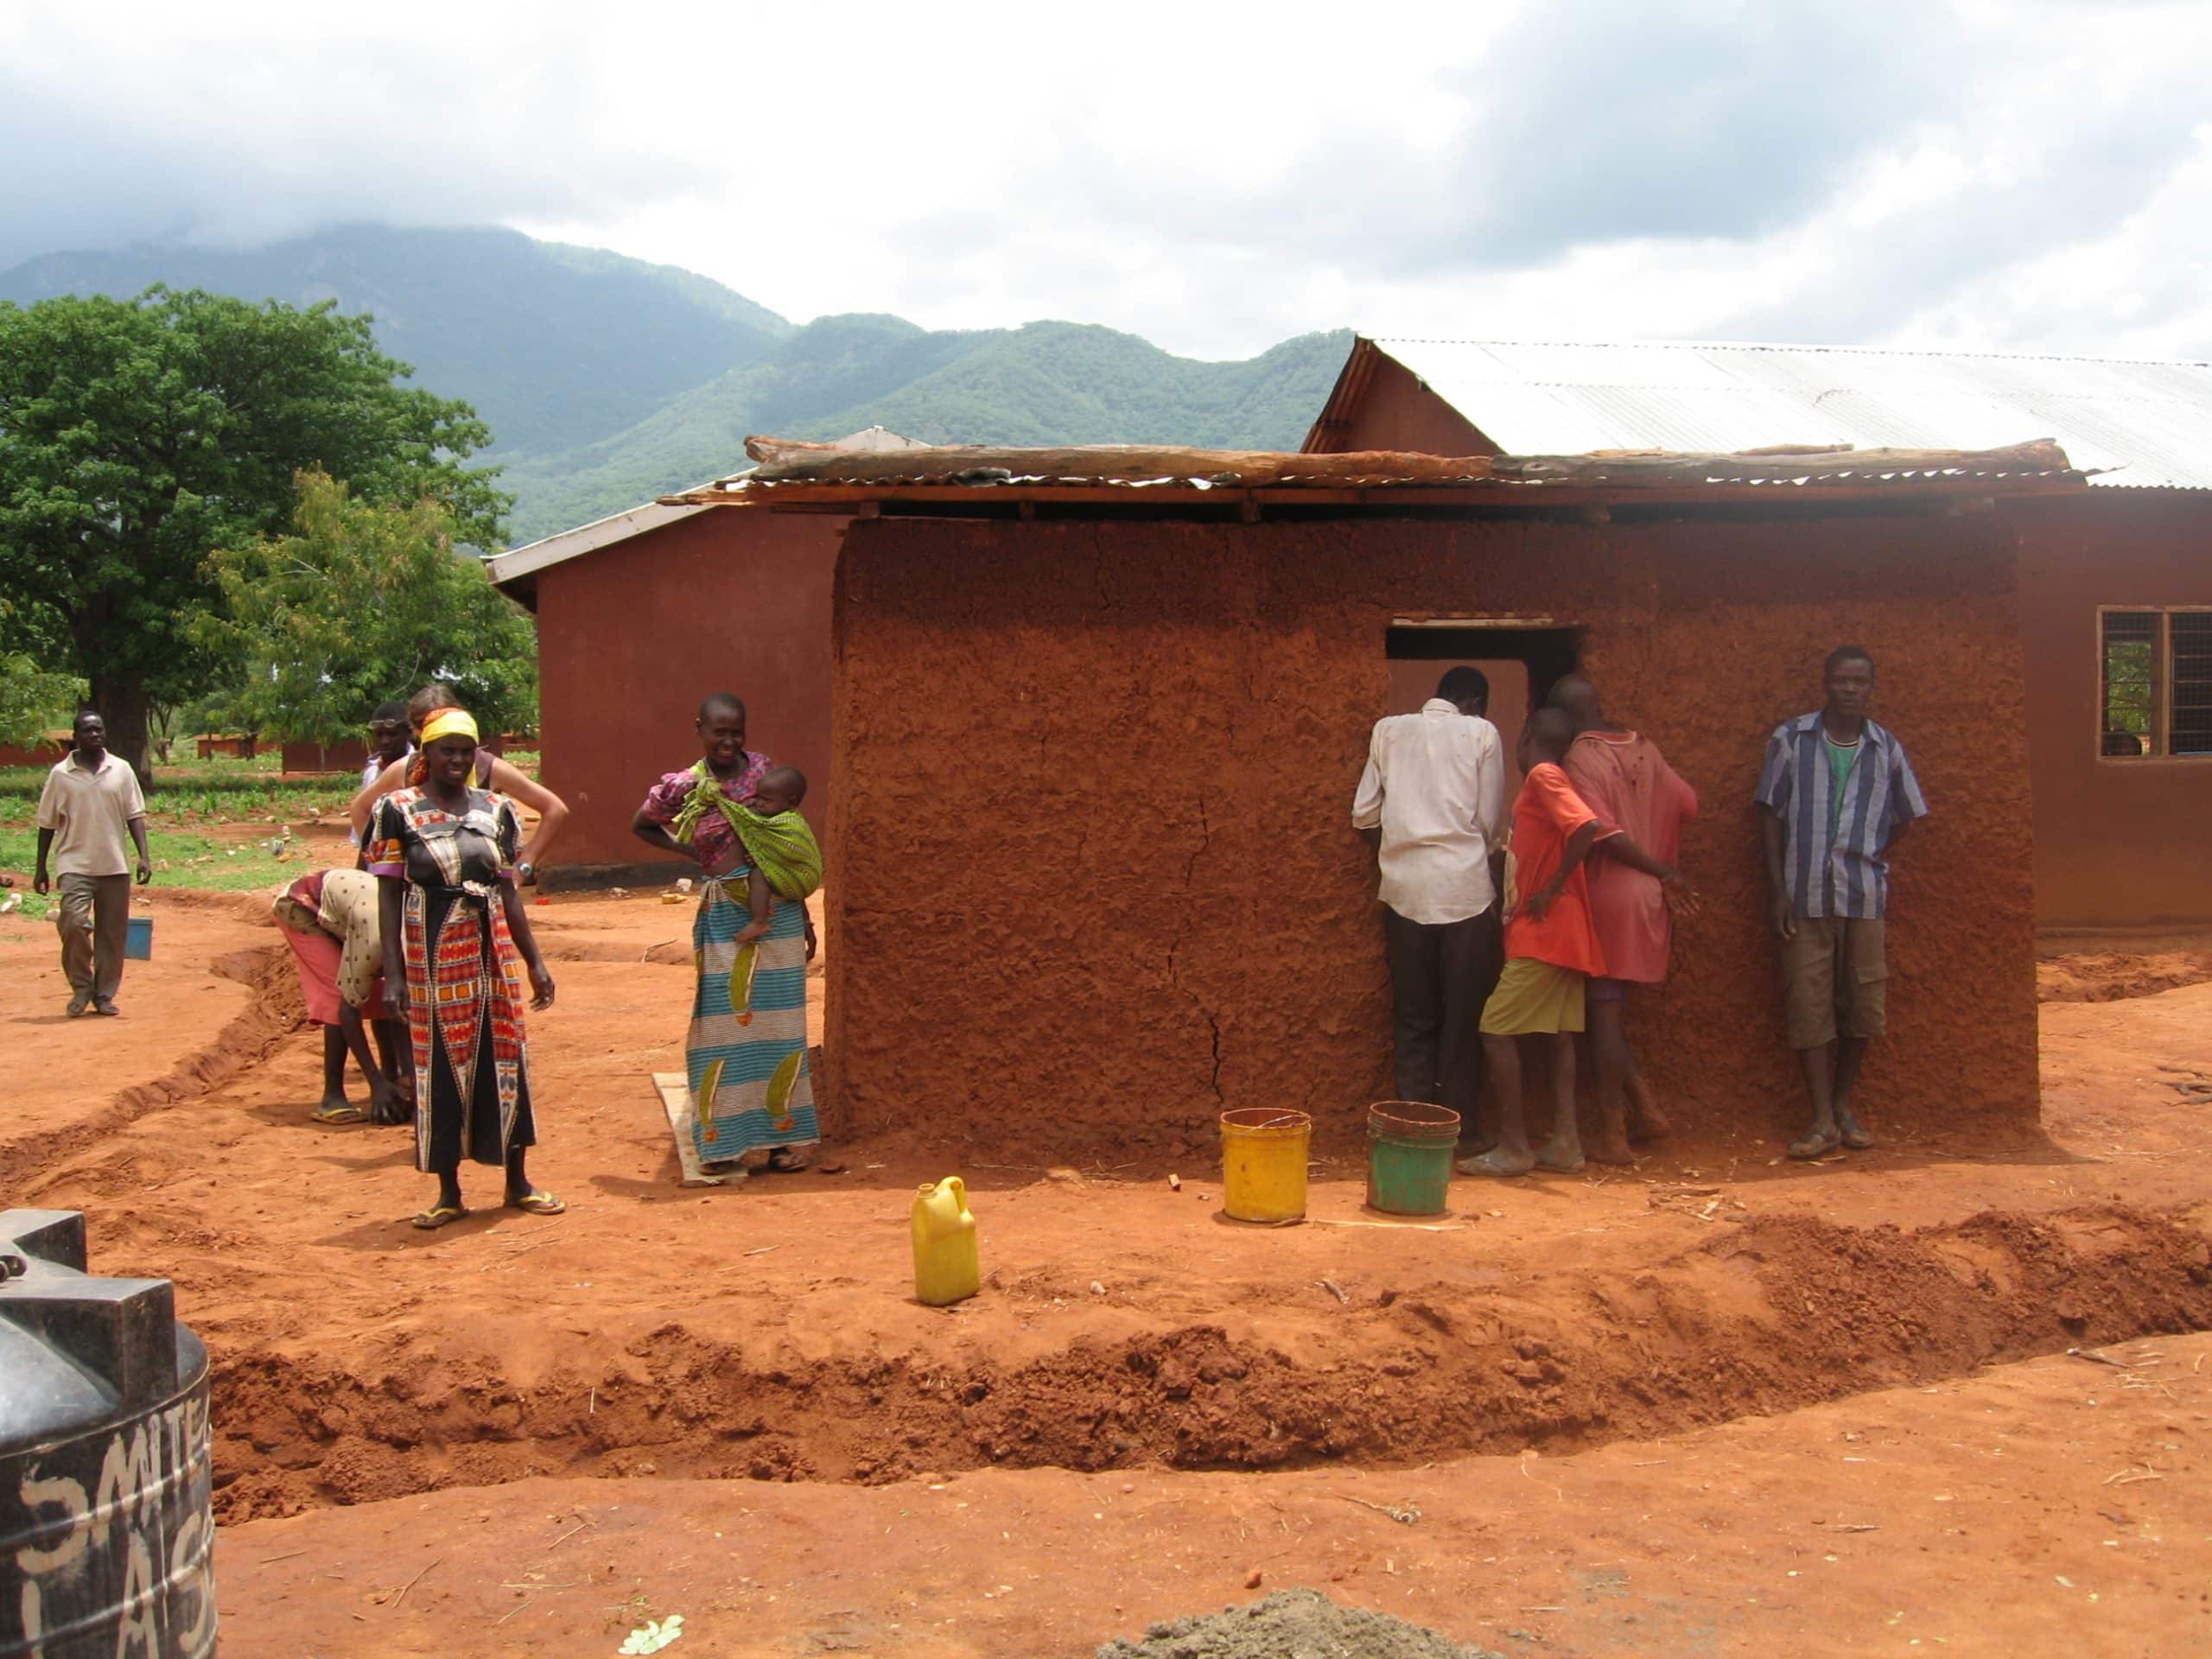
column 745, row 1056
column 453, row 930
column 491, row 773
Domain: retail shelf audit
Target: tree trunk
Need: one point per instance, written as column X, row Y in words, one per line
column 124, row 704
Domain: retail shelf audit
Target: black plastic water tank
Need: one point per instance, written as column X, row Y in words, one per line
column 106, row 1539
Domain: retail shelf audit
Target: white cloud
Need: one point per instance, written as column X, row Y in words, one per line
column 2020, row 173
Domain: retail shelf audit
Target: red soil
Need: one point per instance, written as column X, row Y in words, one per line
column 2111, row 976
column 1548, row 1378
column 2049, row 1507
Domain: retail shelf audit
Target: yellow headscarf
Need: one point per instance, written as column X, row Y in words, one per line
column 449, row 722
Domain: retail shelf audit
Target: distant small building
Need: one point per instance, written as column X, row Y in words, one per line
column 349, row 754
column 643, row 613
column 44, row 751
column 2115, row 584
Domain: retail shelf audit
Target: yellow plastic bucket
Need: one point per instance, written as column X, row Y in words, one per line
column 1263, row 1163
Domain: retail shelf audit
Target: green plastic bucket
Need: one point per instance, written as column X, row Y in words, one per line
column 1409, row 1148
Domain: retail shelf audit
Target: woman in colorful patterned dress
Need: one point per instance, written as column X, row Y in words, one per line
column 458, row 938
column 745, row 1056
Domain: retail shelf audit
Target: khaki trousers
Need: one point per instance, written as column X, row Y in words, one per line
column 1835, row 981
column 95, row 921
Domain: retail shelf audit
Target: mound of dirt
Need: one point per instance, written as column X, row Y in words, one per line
column 1766, row 1316
column 2111, row 976
column 1291, row 1625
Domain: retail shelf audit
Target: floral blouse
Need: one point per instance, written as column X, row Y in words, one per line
column 715, row 840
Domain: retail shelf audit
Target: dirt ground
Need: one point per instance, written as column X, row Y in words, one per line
column 1731, row 1407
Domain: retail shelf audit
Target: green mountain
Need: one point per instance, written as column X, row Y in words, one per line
column 554, row 346
column 608, row 381
column 1049, row 383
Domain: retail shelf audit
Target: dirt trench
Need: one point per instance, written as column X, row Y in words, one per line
column 274, row 1012
column 1773, row 1313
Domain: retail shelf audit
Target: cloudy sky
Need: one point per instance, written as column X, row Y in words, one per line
column 2005, row 174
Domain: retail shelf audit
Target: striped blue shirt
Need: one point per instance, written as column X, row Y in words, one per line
column 1839, row 872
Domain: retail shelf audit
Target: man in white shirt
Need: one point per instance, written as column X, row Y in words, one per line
column 90, row 804
column 1434, row 786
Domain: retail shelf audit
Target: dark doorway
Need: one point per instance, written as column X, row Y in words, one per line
column 1547, row 653
column 1522, row 665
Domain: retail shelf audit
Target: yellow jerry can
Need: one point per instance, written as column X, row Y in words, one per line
column 945, row 1267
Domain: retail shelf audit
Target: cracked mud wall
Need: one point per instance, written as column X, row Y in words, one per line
column 1098, row 880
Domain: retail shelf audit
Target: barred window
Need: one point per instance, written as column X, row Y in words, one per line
column 2156, row 671
column 2189, row 646
column 2130, row 639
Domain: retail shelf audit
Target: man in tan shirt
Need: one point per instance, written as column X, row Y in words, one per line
column 90, row 803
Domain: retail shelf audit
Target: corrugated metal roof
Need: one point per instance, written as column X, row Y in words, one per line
column 813, row 476
column 2151, row 422
column 513, row 566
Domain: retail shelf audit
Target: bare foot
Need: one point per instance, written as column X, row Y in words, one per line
column 1499, row 1161
column 1646, row 1121
column 1561, row 1160
column 1607, row 1148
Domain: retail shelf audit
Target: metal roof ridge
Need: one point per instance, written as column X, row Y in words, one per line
column 1787, row 346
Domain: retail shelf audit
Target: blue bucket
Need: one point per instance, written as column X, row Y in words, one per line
column 138, row 944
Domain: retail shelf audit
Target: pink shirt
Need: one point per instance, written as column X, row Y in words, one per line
column 715, row 840
column 1630, row 787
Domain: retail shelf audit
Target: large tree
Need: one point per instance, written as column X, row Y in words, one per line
column 32, row 700
column 136, row 436
column 364, row 602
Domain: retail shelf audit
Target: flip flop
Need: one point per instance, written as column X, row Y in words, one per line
column 1815, row 1146
column 348, row 1113
column 1487, row 1164
column 539, row 1203
column 1856, row 1139
column 439, row 1216
column 787, row 1160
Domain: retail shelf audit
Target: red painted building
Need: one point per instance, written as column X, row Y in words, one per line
column 641, row 616
column 2115, row 586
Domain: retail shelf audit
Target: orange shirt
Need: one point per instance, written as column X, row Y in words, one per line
column 1545, row 813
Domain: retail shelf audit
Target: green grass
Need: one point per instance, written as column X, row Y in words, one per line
column 218, row 791
column 180, row 860
column 204, row 791
column 186, row 801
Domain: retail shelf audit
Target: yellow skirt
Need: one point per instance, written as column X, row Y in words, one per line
column 1534, row 996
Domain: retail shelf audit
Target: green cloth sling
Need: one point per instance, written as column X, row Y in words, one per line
column 783, row 847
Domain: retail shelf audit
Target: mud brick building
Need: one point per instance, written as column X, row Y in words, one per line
column 641, row 615
column 1098, row 716
column 2115, row 582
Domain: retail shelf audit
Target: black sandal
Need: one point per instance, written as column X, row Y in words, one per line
column 787, row 1160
